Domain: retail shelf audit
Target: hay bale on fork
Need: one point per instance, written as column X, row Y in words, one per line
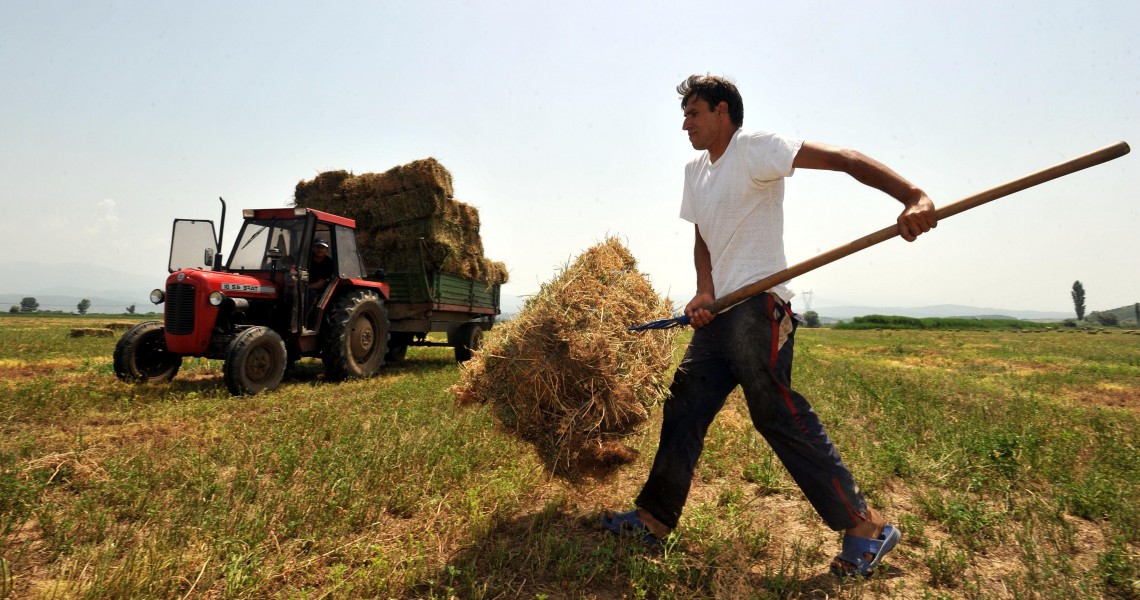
column 566, row 375
column 406, row 218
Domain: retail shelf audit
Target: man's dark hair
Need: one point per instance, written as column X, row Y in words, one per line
column 714, row 90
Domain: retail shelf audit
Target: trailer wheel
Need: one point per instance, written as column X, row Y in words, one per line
column 255, row 361
column 466, row 339
column 141, row 355
column 397, row 347
column 356, row 336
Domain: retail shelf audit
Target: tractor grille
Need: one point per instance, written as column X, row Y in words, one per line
column 179, row 308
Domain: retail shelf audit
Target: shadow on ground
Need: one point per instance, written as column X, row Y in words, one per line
column 563, row 552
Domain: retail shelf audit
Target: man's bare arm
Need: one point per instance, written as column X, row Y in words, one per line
column 918, row 213
column 705, row 290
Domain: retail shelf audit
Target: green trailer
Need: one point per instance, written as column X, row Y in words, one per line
column 422, row 302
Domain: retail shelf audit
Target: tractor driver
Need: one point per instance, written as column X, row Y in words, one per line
column 320, row 267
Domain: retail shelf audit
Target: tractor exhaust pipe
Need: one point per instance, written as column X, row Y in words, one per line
column 218, row 242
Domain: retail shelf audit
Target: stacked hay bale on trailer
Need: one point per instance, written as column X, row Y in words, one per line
column 406, row 217
column 409, row 224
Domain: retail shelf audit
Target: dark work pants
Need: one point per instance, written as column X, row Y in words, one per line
column 751, row 346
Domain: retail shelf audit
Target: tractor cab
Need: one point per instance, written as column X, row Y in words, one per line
column 280, row 238
column 270, row 240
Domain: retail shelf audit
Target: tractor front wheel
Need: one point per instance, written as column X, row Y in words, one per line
column 255, row 361
column 355, row 336
column 141, row 355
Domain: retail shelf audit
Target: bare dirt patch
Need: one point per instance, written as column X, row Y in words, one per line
column 12, row 371
column 1107, row 394
column 90, row 332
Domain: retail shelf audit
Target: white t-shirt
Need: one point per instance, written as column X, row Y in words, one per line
column 737, row 204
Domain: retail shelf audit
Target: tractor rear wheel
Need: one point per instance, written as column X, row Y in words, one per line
column 255, row 361
column 355, row 336
column 141, row 355
column 466, row 339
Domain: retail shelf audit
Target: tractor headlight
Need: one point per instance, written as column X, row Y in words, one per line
column 217, row 298
column 157, row 296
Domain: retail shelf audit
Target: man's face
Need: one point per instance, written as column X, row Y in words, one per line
column 701, row 123
column 319, row 252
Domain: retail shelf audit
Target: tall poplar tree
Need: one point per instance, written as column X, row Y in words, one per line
column 1079, row 299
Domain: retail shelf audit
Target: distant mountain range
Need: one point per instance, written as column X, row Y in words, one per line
column 60, row 286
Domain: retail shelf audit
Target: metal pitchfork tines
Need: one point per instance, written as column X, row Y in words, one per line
column 677, row 321
column 1059, row 170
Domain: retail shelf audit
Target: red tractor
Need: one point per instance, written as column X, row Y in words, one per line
column 257, row 312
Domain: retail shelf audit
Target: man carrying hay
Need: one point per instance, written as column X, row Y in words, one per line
column 734, row 195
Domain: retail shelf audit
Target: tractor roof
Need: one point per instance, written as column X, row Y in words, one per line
column 292, row 213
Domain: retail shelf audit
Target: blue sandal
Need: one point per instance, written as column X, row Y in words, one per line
column 855, row 547
column 627, row 523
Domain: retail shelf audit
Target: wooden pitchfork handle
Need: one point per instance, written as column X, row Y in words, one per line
column 1059, row 170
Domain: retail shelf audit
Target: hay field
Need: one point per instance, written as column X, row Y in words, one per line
column 1010, row 462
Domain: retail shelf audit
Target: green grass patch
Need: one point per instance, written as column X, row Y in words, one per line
column 1009, row 462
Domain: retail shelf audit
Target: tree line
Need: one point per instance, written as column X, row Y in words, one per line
column 1105, row 318
column 29, row 304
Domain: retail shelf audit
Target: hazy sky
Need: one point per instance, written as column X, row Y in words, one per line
column 560, row 123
